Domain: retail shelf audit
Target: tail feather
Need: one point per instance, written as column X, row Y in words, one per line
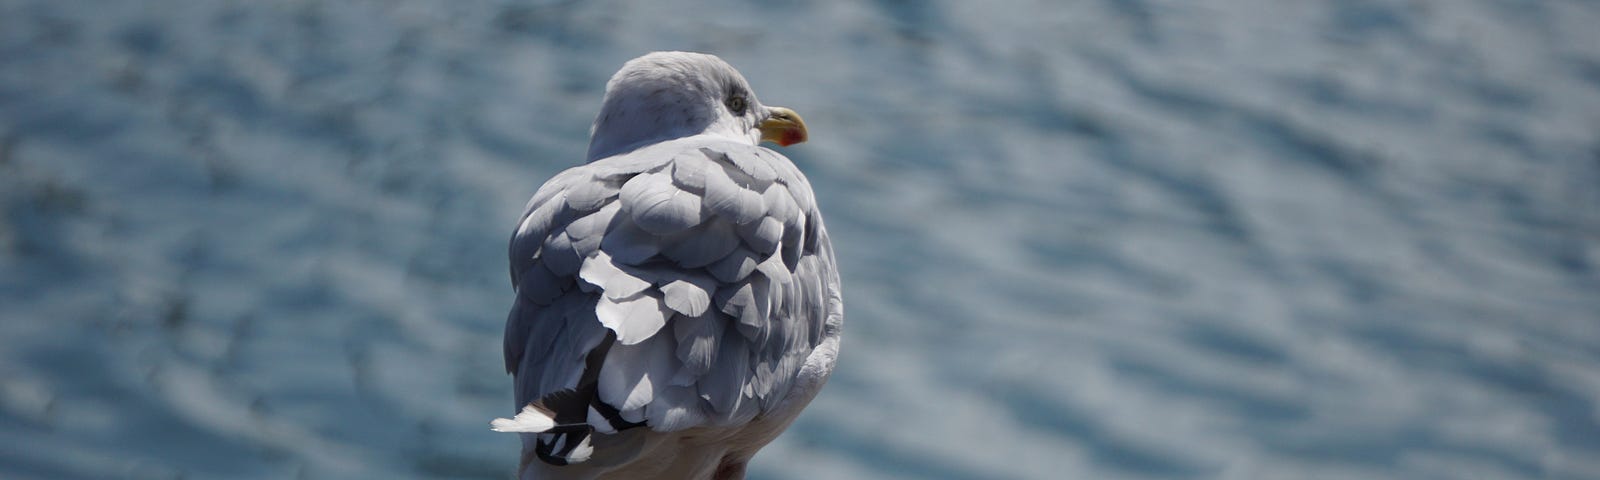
column 565, row 421
column 533, row 418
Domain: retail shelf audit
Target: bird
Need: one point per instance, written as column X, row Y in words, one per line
column 677, row 298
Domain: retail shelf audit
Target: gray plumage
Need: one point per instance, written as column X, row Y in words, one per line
column 686, row 264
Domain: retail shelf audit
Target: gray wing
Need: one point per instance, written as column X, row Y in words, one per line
column 679, row 285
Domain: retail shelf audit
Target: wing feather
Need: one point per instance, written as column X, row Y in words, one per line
column 781, row 206
column 633, row 373
column 702, row 245
column 559, row 255
column 676, row 407
column 775, row 270
column 735, row 267
column 726, row 385
column 746, row 161
column 602, row 274
column 684, row 267
column 658, row 206
column 762, row 236
column 697, row 341
column 590, row 195
column 690, row 296
column 635, row 319
column 629, row 244
column 689, row 171
column 561, row 366
column 540, row 285
column 728, row 199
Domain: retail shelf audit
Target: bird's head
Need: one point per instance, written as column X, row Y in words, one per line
column 666, row 95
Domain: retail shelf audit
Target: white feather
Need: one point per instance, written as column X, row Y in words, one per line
column 529, row 420
column 634, row 318
column 583, row 451
column 599, row 271
column 687, row 297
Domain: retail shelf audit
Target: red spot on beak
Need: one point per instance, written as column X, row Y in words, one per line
column 784, row 127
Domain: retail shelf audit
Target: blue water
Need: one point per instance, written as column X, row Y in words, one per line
column 1090, row 239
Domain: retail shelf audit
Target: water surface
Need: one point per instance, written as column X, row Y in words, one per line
column 1090, row 239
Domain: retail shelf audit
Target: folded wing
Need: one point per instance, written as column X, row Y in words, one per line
column 679, row 285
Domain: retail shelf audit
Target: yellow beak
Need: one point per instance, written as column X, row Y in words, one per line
column 783, row 127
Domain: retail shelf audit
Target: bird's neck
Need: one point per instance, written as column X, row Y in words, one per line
column 619, row 137
column 636, row 117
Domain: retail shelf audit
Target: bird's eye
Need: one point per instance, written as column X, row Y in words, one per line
column 736, row 104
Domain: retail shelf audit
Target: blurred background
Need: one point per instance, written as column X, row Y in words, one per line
column 1107, row 239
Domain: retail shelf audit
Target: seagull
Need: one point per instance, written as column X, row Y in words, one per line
column 677, row 299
